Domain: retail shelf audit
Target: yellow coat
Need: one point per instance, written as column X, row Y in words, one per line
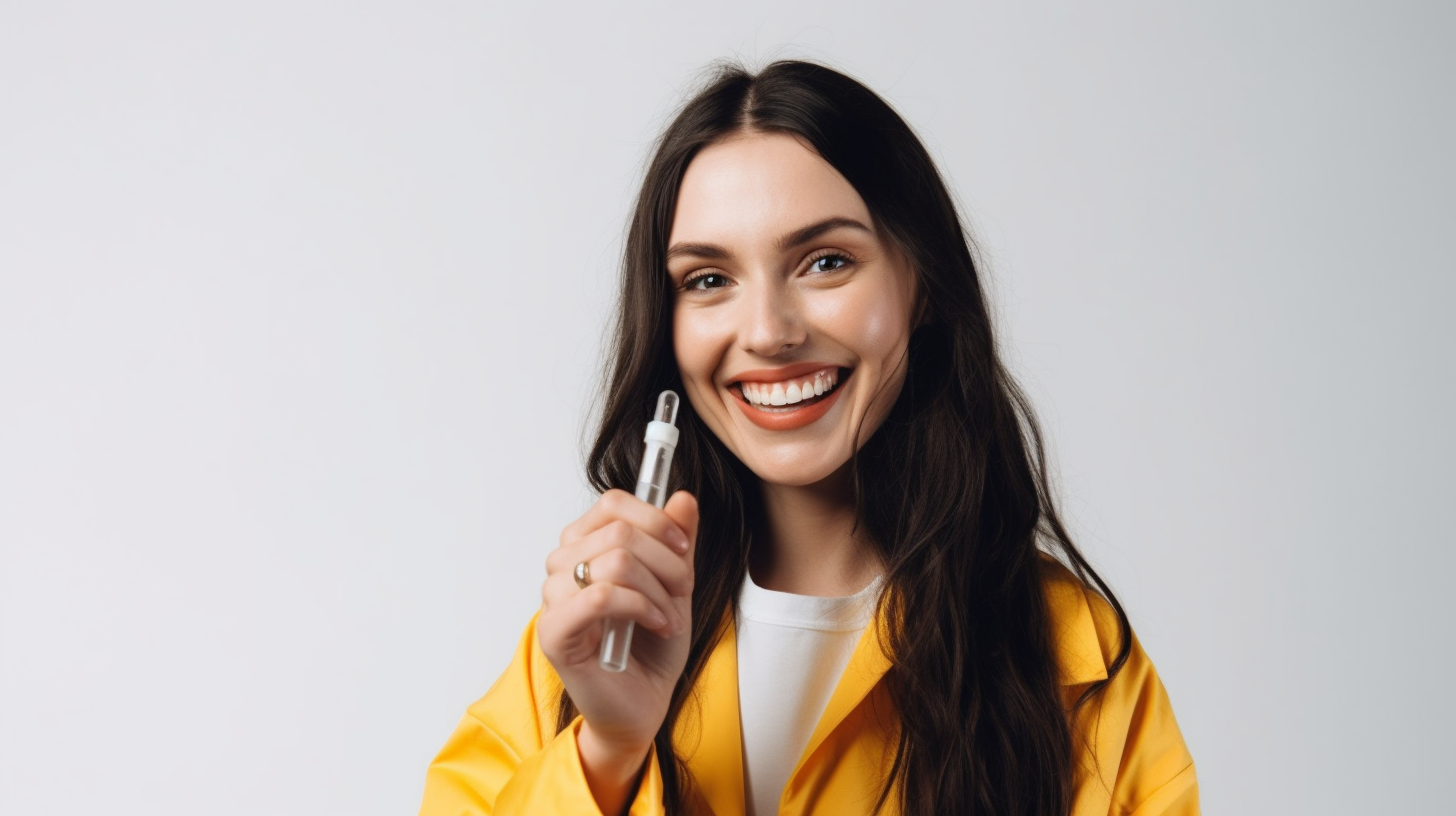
column 505, row 757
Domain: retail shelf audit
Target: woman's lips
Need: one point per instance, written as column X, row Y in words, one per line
column 784, row 416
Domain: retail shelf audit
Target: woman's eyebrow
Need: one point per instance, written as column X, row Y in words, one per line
column 804, row 235
column 711, row 252
column 809, row 233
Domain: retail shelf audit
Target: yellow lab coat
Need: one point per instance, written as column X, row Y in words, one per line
column 506, row 758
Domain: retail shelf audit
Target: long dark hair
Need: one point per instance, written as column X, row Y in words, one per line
column 951, row 489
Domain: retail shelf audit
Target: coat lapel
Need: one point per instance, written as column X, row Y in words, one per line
column 866, row 666
column 712, row 730
column 711, row 737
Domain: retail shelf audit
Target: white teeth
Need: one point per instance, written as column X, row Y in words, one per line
column 790, row 393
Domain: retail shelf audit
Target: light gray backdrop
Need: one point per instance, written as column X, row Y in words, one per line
column 301, row 313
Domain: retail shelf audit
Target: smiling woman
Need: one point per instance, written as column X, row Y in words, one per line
column 862, row 599
column 780, row 278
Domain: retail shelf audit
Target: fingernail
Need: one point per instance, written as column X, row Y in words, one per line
column 678, row 539
column 658, row 619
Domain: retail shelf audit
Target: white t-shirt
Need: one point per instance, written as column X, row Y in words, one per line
column 791, row 651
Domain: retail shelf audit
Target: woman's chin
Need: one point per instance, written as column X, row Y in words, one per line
column 798, row 472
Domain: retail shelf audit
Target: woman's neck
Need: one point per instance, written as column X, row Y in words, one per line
column 809, row 545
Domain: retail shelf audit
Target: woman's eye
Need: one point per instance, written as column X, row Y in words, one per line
column 829, row 263
column 708, row 281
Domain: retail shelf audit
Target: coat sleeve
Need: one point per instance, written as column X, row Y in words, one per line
column 1141, row 765
column 505, row 758
column 1155, row 775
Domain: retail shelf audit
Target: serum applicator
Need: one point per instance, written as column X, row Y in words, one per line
column 661, row 439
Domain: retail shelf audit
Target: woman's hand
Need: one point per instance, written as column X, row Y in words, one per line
column 641, row 566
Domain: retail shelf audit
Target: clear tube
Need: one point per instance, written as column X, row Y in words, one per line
column 661, row 439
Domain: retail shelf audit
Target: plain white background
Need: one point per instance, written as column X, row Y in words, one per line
column 301, row 310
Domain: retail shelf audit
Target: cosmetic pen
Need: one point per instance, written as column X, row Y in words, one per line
column 661, row 442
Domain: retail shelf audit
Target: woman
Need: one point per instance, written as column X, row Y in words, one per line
column 847, row 607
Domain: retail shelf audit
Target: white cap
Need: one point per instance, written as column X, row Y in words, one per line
column 663, row 433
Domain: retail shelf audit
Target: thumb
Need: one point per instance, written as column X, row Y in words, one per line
column 682, row 508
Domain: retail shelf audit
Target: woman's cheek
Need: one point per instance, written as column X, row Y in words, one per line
column 872, row 322
column 699, row 348
column 882, row 330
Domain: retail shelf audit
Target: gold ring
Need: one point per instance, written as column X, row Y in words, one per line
column 582, row 574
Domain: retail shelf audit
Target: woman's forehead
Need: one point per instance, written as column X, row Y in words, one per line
column 755, row 186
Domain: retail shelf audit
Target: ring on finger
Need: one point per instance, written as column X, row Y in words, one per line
column 582, row 574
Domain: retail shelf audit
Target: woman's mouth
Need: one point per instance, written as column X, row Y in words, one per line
column 789, row 395
column 790, row 403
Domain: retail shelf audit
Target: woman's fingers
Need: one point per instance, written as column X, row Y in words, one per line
column 640, row 566
column 671, row 569
column 572, row 629
column 619, row 505
column 621, row 568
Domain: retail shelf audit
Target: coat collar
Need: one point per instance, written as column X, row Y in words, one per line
column 709, row 734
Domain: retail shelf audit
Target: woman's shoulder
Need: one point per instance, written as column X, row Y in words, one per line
column 1135, row 758
column 1086, row 630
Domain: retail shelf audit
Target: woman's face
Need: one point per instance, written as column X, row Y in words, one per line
column 792, row 315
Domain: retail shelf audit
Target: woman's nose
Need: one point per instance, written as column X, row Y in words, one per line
column 772, row 322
